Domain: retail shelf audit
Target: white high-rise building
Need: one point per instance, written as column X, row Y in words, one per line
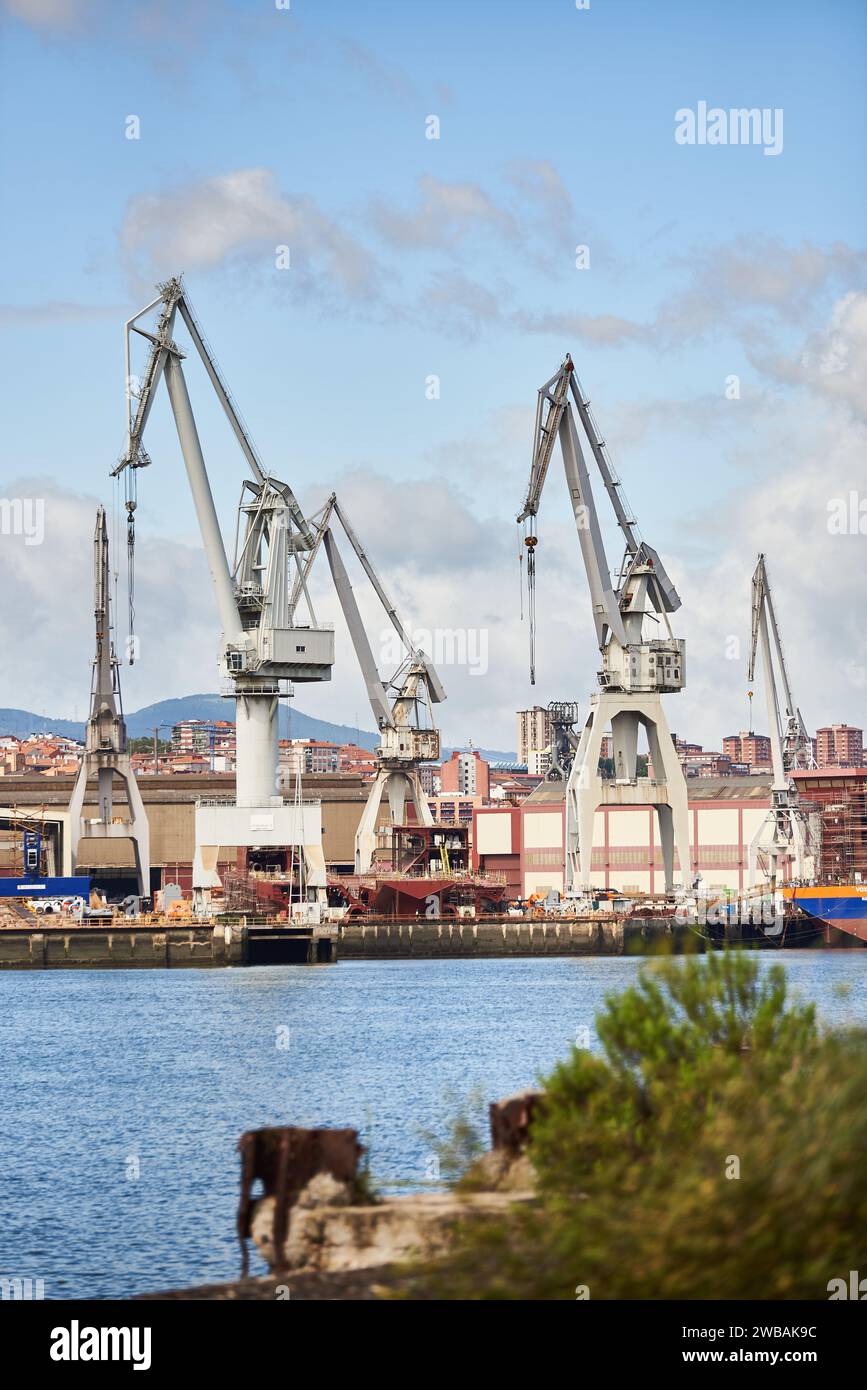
column 534, row 731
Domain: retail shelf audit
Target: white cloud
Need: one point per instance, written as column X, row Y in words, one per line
column 835, row 360
column 242, row 213
column 63, row 15
column 745, row 284
column 454, row 301
column 540, row 188
column 445, row 214
column 600, row 330
column 50, row 624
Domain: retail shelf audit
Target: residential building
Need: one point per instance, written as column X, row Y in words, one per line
column 840, row 745
column 747, row 747
column 431, row 781
column 354, row 759
column 307, row 755
column 466, row 773
column 203, row 735
column 534, row 731
column 538, row 761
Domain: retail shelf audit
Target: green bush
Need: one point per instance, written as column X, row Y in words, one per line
column 714, row 1151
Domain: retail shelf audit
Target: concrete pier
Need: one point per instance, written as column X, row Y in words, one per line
column 207, row 945
column 151, row 947
column 513, row 936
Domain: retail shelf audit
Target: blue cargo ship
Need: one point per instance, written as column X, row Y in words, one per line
column 843, row 906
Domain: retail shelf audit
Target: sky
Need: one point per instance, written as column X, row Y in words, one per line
column 712, row 296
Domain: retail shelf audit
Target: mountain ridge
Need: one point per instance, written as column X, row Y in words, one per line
column 294, row 723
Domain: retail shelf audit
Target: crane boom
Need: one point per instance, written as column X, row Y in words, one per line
column 612, row 483
column 788, row 729
column 437, row 693
column 550, row 406
column 375, row 689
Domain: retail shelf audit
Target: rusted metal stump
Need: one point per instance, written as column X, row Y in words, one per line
column 511, row 1120
column 284, row 1160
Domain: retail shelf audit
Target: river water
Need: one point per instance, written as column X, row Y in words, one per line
column 124, row 1092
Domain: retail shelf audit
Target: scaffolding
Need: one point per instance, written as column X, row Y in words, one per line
column 840, row 807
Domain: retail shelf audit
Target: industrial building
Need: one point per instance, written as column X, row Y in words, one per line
column 526, row 843
column 170, row 803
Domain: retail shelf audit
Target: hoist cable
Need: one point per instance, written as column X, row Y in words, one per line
column 131, row 503
column 530, row 543
column 520, row 573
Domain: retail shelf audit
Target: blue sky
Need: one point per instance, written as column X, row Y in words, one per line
column 453, row 257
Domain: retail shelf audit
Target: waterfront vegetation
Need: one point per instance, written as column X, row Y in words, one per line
column 714, row 1150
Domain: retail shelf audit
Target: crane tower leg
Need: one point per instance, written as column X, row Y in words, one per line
column 365, row 836
column 583, row 795
column 256, row 734
column 76, row 806
column 139, row 830
column 624, row 741
column 667, row 769
column 397, row 789
column 419, row 800
column 585, row 790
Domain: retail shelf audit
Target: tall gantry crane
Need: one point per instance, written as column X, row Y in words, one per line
column 105, row 748
column 784, row 833
column 408, row 735
column 263, row 645
column 637, row 668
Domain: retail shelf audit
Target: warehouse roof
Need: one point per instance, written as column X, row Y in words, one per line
column 699, row 789
column 182, row 788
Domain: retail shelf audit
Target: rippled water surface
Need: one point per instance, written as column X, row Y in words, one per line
column 124, row 1092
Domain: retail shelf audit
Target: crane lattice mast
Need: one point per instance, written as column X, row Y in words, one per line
column 106, row 756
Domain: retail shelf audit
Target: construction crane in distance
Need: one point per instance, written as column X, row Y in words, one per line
column 105, row 748
column 263, row 645
column 637, row 667
column 784, row 833
column 402, row 706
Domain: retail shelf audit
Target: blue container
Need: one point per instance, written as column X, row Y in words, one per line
column 45, row 888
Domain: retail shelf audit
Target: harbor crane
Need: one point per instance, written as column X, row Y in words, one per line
column 105, row 748
column 263, row 645
column 408, row 735
column 784, row 833
column 637, row 667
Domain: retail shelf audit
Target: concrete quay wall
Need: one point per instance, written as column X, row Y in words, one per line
column 422, row 940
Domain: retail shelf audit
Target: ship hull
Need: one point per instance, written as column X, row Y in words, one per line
column 842, row 906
